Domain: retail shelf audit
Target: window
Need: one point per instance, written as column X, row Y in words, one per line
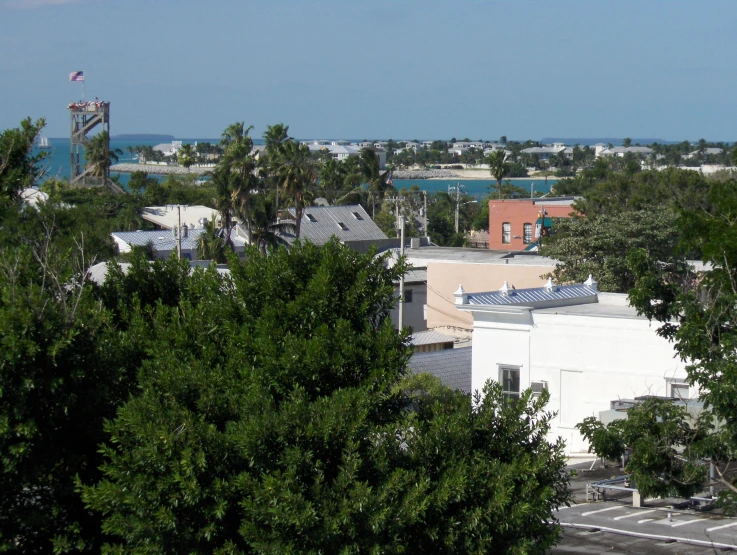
column 509, row 378
column 342, row 226
column 506, row 232
column 310, row 217
column 527, row 234
column 408, row 295
column 357, row 215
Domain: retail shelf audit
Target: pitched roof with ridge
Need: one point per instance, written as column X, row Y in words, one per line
column 347, row 223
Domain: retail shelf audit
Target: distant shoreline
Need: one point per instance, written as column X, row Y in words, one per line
column 466, row 175
column 159, row 170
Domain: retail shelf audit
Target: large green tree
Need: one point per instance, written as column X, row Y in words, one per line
column 599, row 246
column 19, row 167
column 281, row 428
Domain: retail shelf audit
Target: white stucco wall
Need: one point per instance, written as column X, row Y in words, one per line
column 586, row 360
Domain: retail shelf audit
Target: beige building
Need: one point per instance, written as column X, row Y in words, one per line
column 477, row 270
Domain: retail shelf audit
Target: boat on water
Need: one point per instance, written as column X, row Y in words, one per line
column 44, row 144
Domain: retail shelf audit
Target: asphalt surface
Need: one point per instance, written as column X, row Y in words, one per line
column 616, row 527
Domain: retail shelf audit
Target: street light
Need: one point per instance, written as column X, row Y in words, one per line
column 458, row 205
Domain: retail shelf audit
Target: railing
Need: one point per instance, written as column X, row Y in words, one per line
column 478, row 244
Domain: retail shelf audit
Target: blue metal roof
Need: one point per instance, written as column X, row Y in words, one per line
column 532, row 296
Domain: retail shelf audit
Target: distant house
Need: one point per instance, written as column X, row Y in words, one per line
column 544, row 152
column 338, row 150
column 705, row 152
column 601, row 150
column 169, row 149
column 164, row 242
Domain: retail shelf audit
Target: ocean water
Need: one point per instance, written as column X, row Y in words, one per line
column 57, row 163
column 57, row 167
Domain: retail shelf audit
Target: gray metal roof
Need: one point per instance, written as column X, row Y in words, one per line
column 430, row 337
column 534, row 296
column 164, row 240
column 452, row 366
column 320, row 223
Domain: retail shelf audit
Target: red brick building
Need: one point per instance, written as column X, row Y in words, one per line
column 517, row 224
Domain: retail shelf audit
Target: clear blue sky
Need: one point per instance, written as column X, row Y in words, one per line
column 378, row 69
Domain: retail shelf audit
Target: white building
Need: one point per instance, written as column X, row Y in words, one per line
column 343, row 151
column 586, row 348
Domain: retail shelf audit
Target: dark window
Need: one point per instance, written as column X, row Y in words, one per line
column 311, row 217
column 506, row 233
column 527, row 234
column 357, row 216
column 408, row 295
column 509, row 378
column 342, row 226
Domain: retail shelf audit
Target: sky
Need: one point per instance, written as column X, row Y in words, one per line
column 349, row 69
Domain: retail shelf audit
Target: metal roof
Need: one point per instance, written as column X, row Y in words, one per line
column 430, row 337
column 452, row 366
column 167, row 217
column 533, row 296
column 164, row 240
column 320, row 223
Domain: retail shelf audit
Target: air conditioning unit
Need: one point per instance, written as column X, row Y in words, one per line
column 538, row 387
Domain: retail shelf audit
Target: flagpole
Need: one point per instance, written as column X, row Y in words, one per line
column 83, row 78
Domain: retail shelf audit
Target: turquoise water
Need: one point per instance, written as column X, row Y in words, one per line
column 57, row 166
column 477, row 188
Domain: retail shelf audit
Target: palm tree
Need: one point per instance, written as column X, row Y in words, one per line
column 100, row 156
column 297, row 175
column 224, row 204
column 239, row 162
column 185, row 156
column 378, row 183
column 267, row 231
column 275, row 136
column 210, row 245
column 498, row 167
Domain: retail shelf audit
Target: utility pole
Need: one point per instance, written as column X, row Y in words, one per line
column 458, row 200
column 178, row 233
column 424, row 212
column 401, row 278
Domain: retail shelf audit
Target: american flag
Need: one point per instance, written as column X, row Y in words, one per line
column 76, row 76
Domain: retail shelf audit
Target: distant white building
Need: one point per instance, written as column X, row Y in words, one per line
column 586, row 348
column 343, row 151
column 169, row 149
column 544, row 152
column 603, row 150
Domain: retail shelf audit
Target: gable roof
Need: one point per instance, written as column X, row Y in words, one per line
column 347, row 223
column 452, row 366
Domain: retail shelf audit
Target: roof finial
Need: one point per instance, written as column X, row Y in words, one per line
column 461, row 297
column 591, row 282
column 504, row 289
column 549, row 284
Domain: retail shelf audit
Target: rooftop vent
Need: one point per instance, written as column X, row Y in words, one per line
column 311, row 217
